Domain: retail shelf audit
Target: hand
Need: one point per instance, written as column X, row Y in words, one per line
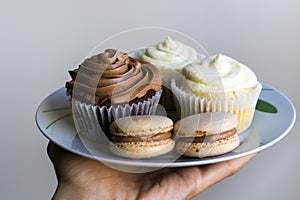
column 83, row 178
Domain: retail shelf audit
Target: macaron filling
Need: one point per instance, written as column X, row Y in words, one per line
column 157, row 137
column 209, row 138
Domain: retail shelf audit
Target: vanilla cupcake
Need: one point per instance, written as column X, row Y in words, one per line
column 218, row 84
column 111, row 85
column 169, row 56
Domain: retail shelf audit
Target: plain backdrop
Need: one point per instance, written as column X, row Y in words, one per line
column 41, row 40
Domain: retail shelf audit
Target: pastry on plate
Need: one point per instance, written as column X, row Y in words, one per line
column 140, row 137
column 169, row 56
column 111, row 85
column 218, row 84
column 206, row 134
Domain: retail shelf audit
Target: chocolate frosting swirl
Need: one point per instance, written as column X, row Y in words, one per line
column 112, row 77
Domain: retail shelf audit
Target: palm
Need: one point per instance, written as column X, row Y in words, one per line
column 102, row 182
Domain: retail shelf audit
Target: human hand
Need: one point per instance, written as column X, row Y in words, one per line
column 83, row 178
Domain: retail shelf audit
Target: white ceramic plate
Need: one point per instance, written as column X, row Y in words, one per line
column 54, row 119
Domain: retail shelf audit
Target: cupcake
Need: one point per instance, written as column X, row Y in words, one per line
column 109, row 86
column 218, row 84
column 169, row 57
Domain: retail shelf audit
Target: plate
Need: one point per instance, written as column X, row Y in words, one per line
column 273, row 120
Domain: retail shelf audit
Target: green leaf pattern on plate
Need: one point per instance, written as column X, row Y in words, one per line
column 60, row 118
column 264, row 106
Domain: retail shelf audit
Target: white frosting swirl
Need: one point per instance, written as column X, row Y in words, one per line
column 219, row 75
column 170, row 54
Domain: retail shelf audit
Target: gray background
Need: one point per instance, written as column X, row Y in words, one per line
column 41, row 40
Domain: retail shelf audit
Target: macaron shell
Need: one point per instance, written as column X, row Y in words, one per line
column 141, row 125
column 208, row 149
column 205, row 124
column 140, row 150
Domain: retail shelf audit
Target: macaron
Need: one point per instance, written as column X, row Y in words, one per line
column 206, row 134
column 142, row 136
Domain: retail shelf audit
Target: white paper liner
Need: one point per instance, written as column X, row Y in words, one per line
column 243, row 107
column 91, row 121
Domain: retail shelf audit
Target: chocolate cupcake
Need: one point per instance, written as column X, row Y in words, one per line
column 111, row 85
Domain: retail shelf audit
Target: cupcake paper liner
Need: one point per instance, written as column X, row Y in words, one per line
column 93, row 121
column 243, row 107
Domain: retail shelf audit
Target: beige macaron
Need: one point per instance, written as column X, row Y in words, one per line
column 142, row 136
column 206, row 134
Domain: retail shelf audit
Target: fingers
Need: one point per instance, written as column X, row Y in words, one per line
column 217, row 172
column 58, row 155
column 211, row 174
column 52, row 150
column 63, row 161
